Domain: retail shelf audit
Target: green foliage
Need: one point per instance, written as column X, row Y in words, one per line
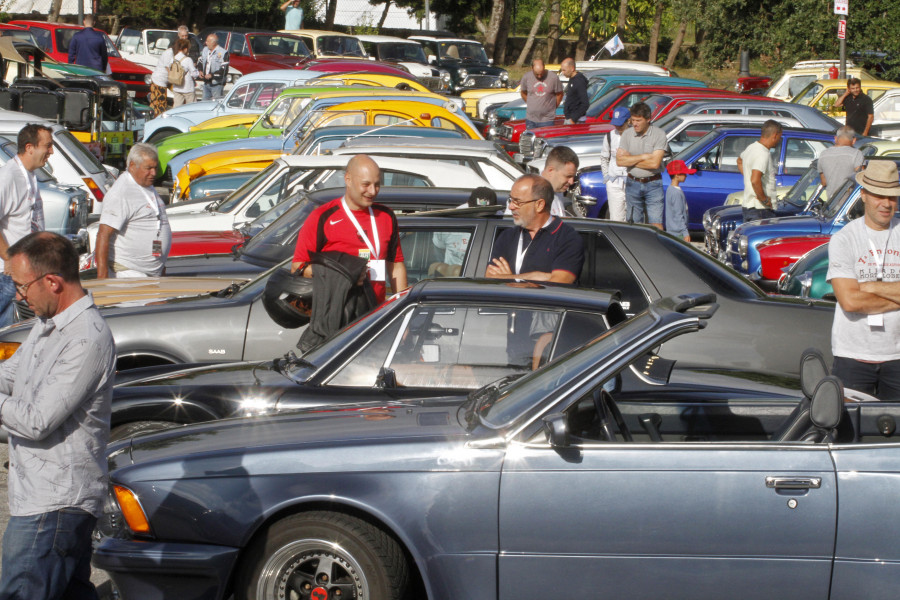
column 144, row 10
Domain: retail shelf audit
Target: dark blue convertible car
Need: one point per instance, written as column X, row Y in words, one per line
column 555, row 479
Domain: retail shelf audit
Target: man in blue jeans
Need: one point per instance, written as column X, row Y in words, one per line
column 641, row 151
column 55, row 404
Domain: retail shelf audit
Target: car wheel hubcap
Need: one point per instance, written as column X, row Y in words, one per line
column 314, row 570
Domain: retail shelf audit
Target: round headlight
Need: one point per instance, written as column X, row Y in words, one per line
column 504, row 76
column 463, row 73
column 445, row 76
column 147, row 79
column 492, row 119
column 742, row 245
column 707, row 220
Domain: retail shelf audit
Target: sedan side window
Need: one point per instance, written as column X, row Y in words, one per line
column 799, row 153
column 429, row 253
column 607, row 270
column 239, row 96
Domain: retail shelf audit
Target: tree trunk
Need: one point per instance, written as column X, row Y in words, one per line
column 623, row 14
column 330, row 10
column 194, row 15
column 676, row 45
column 55, row 8
column 531, row 34
column 387, row 5
column 581, row 47
column 553, row 29
column 654, row 32
column 493, row 28
column 502, row 36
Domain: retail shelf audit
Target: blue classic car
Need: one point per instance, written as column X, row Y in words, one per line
column 715, row 158
column 558, row 475
column 599, row 83
column 720, row 221
column 825, row 219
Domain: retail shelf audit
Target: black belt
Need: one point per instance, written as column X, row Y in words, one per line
column 645, row 179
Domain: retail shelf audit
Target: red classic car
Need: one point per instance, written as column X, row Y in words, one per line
column 778, row 253
column 661, row 99
column 54, row 39
column 199, row 243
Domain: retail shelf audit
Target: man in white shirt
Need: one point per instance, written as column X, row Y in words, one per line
column 134, row 236
column 613, row 175
column 21, row 209
column 864, row 269
column 756, row 164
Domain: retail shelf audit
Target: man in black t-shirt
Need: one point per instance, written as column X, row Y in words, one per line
column 858, row 106
column 576, row 98
column 541, row 247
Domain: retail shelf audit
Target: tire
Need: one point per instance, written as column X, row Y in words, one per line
column 363, row 562
column 128, row 430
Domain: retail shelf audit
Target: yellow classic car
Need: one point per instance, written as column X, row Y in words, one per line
column 823, row 93
column 223, row 161
column 241, row 120
column 395, row 111
column 371, row 79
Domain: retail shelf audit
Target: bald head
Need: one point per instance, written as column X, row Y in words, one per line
column 363, row 181
column 537, row 67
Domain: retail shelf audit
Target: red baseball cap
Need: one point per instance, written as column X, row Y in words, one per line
column 677, row 167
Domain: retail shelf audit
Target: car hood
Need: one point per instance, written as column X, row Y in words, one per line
column 194, row 110
column 281, row 61
column 263, row 142
column 337, row 426
column 780, row 226
column 576, row 129
column 221, row 375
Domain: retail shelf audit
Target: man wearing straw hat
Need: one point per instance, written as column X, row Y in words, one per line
column 864, row 269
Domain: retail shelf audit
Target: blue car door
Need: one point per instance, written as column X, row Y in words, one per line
column 699, row 520
column 717, row 176
column 796, row 154
column 867, row 556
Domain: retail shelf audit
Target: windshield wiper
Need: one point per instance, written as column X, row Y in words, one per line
column 483, row 398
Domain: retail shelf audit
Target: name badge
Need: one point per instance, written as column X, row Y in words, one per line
column 156, row 250
column 377, row 270
column 365, row 253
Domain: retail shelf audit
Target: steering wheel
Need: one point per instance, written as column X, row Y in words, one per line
column 606, row 407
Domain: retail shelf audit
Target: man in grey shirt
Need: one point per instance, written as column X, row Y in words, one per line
column 840, row 162
column 542, row 92
column 55, row 396
column 641, row 151
column 134, row 236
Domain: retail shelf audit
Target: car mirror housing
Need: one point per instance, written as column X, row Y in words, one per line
column 557, row 430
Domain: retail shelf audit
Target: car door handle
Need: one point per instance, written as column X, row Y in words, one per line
column 794, row 483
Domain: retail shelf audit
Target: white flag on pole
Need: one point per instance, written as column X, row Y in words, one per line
column 614, row 45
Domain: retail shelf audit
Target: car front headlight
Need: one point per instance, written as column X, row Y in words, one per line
column 463, row 74
column 707, row 220
column 110, row 90
column 445, row 76
column 492, row 118
column 504, row 76
column 147, row 79
column 743, row 245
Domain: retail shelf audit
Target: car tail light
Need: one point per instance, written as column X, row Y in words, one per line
column 132, row 510
column 95, row 189
column 7, row 349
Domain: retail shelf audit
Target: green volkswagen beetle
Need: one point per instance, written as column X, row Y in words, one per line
column 806, row 277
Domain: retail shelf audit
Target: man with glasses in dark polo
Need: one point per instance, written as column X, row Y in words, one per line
column 539, row 248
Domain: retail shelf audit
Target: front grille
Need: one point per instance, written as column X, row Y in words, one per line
column 129, row 77
column 526, row 143
column 504, row 132
column 435, row 84
column 23, row 312
column 481, row 81
column 725, row 227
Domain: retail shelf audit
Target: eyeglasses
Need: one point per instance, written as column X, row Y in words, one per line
column 514, row 202
column 22, row 288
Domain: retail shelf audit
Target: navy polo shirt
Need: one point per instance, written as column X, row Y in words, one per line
column 555, row 247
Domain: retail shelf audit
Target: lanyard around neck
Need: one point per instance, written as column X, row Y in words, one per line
column 151, row 202
column 520, row 253
column 376, row 248
column 875, row 255
column 30, row 180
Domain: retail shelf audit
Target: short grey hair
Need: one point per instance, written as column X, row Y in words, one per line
column 846, row 133
column 214, row 36
column 182, row 29
column 141, row 152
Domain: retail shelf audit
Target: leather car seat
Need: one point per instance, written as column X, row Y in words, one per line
column 812, row 371
column 816, row 419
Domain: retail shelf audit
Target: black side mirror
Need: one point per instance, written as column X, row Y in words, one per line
column 556, row 429
column 387, row 379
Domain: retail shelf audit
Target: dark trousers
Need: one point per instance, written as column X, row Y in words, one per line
column 48, row 557
column 881, row 380
column 757, row 214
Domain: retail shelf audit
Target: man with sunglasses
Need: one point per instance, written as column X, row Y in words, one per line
column 540, row 247
column 55, row 397
column 21, row 208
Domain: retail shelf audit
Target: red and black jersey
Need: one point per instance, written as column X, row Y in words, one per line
column 328, row 228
